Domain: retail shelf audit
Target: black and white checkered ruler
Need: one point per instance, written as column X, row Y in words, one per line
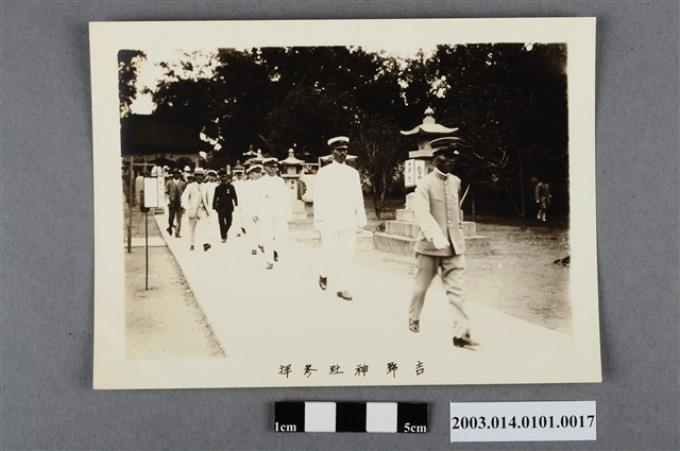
column 299, row 416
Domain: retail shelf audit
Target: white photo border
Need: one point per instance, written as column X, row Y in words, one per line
column 112, row 370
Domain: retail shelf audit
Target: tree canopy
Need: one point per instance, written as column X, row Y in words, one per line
column 128, row 61
column 508, row 100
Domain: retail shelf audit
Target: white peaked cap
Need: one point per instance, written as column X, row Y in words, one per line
column 338, row 139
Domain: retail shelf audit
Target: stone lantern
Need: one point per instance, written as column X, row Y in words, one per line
column 291, row 171
column 250, row 153
column 419, row 163
column 256, row 157
column 238, row 171
column 400, row 236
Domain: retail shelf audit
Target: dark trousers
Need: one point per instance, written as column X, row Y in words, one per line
column 224, row 218
column 172, row 213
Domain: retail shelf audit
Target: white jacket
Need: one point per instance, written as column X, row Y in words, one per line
column 193, row 200
column 208, row 190
column 338, row 200
column 273, row 201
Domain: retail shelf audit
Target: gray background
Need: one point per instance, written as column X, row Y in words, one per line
column 47, row 242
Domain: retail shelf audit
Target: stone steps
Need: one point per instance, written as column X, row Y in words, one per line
column 410, row 229
column 404, row 245
column 406, row 215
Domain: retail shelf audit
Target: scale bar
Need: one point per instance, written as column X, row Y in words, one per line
column 380, row 417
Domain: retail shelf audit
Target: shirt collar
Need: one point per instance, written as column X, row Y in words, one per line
column 440, row 174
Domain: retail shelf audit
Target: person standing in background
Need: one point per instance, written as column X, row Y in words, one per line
column 542, row 197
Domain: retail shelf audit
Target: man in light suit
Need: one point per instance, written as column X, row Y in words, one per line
column 441, row 246
column 196, row 208
column 173, row 190
column 273, row 211
column 338, row 213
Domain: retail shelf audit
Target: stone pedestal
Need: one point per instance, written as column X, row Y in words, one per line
column 401, row 235
column 298, row 210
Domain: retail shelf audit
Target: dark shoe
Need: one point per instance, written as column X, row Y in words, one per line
column 177, row 235
column 345, row 295
column 323, row 282
column 276, row 256
column 224, row 240
column 206, row 246
column 464, row 342
column 270, row 265
column 243, row 230
column 261, row 248
column 414, row 325
column 191, row 248
column 169, row 230
column 253, row 252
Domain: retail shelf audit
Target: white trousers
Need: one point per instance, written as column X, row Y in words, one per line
column 273, row 234
column 252, row 231
column 197, row 226
column 337, row 253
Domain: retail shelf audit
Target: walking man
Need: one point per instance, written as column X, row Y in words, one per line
column 248, row 206
column 273, row 211
column 441, row 246
column 196, row 208
column 224, row 202
column 174, row 189
column 338, row 213
column 237, row 183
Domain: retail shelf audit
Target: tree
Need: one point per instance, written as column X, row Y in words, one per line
column 380, row 149
column 509, row 101
column 128, row 61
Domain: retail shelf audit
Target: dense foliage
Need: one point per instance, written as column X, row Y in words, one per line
column 508, row 100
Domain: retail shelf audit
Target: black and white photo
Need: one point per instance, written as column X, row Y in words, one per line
column 344, row 202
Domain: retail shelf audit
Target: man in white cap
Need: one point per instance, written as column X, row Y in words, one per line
column 237, row 183
column 247, row 194
column 273, row 211
column 208, row 189
column 195, row 207
column 338, row 213
column 441, row 246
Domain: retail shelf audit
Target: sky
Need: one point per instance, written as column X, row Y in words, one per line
column 149, row 72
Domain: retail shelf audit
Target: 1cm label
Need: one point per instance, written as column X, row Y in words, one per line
column 284, row 427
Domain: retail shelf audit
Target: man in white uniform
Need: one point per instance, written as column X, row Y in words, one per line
column 273, row 211
column 248, row 205
column 338, row 213
column 237, row 183
column 208, row 189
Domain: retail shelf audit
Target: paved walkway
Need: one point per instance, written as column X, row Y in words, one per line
column 283, row 313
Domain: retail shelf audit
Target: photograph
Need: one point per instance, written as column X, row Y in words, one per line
column 344, row 203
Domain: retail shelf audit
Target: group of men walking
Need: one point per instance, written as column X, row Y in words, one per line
column 263, row 211
column 259, row 201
